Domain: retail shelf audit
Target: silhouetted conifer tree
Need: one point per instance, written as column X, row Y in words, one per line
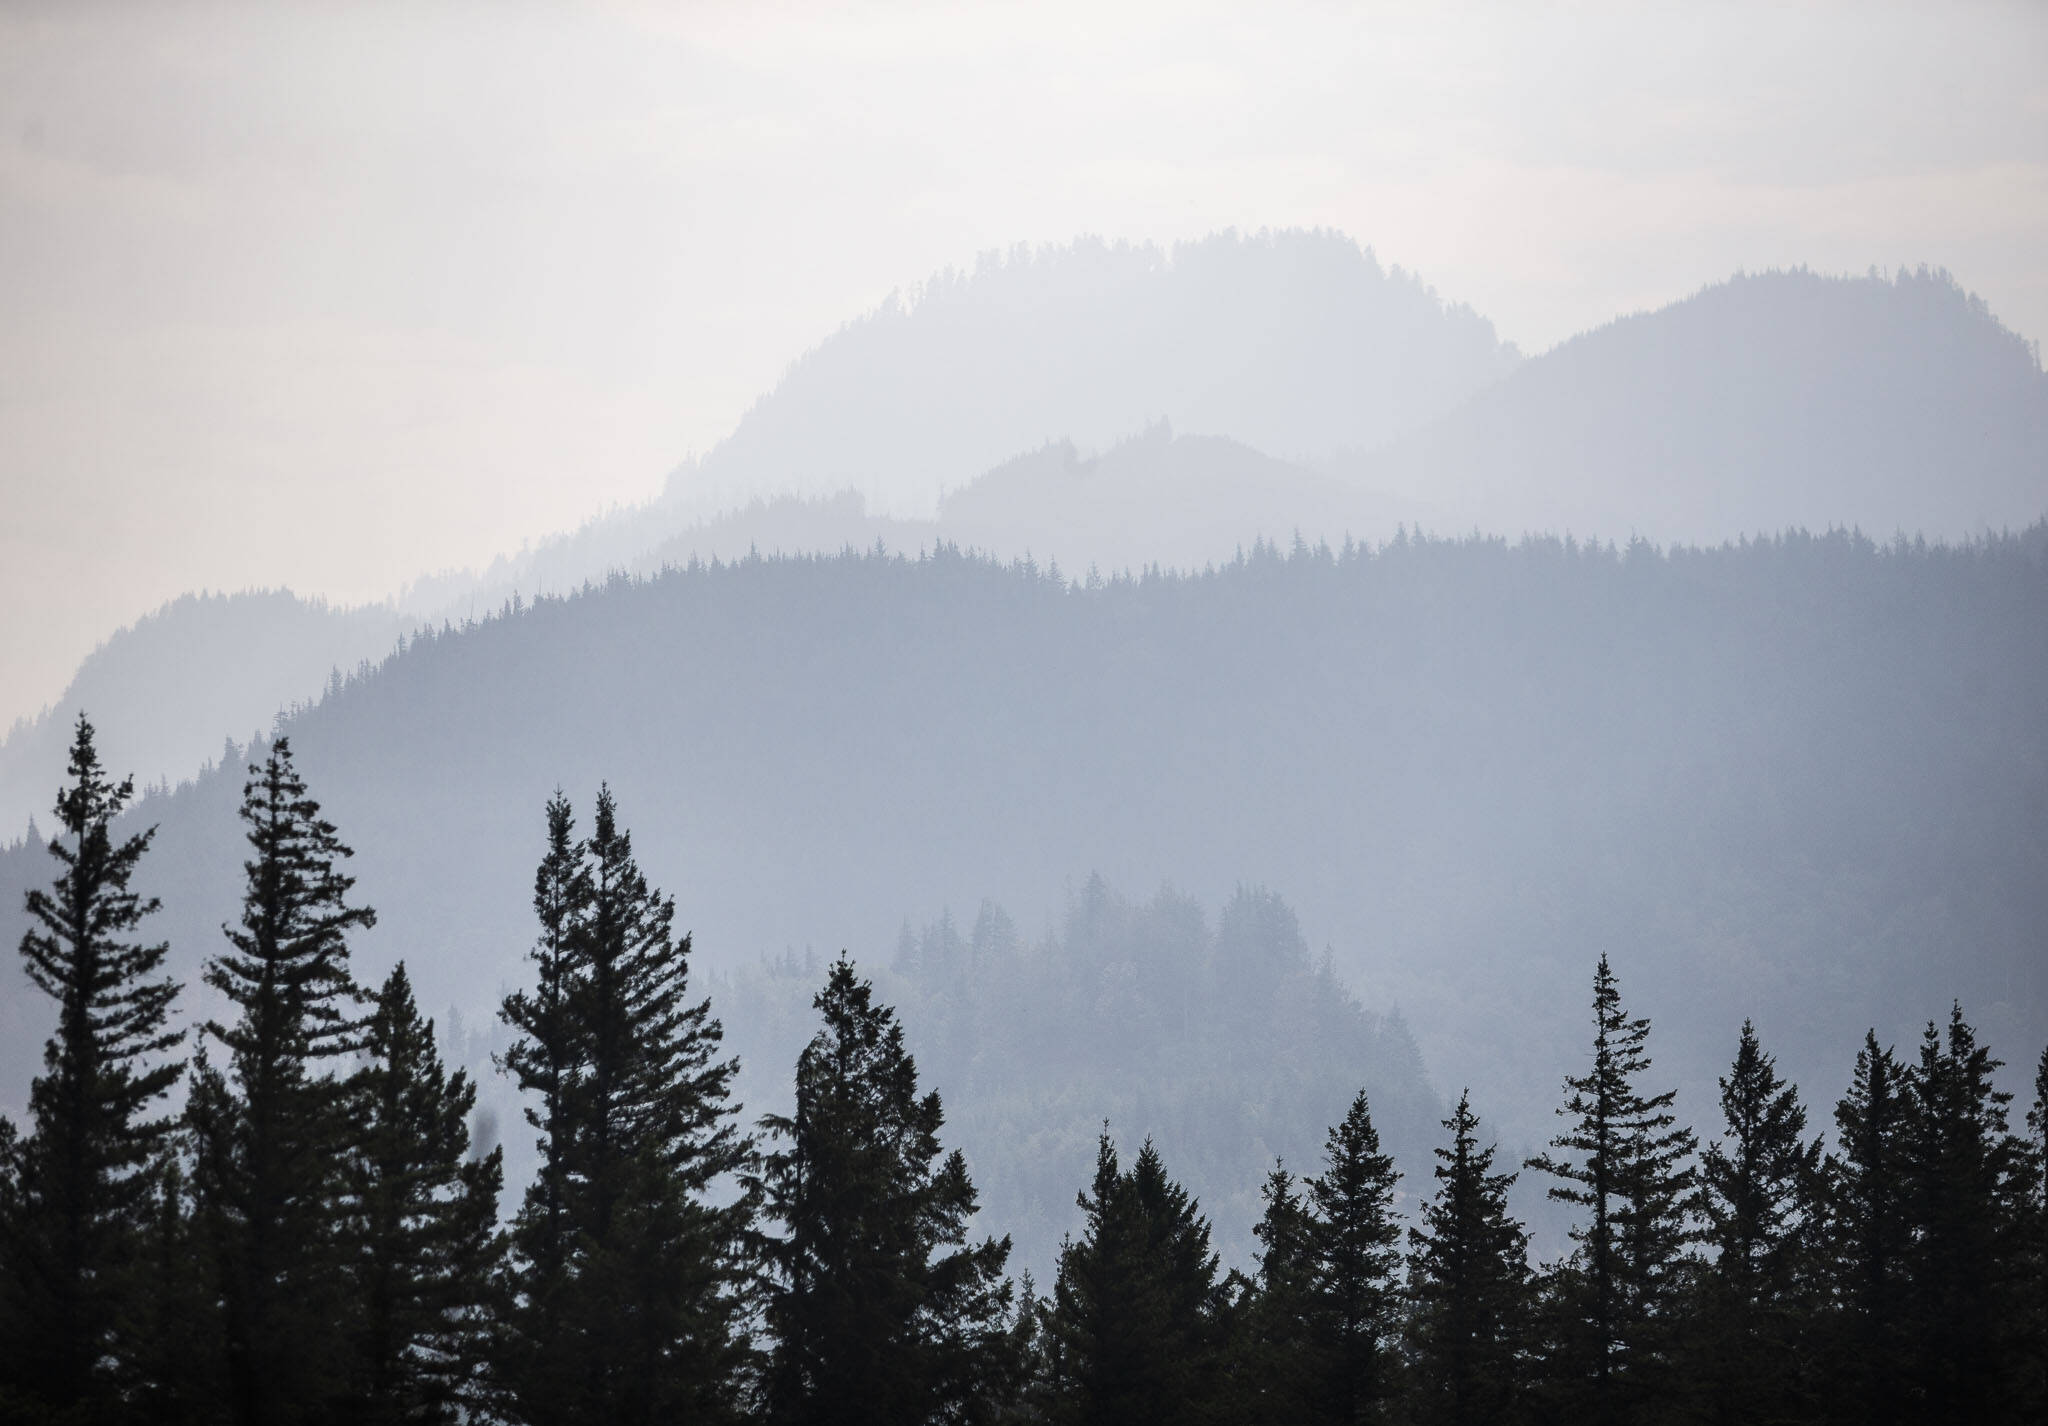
column 423, row 1237
column 177, row 1379
column 1355, row 1240
column 1870, row 1235
column 881, row 1310
column 1961, row 1174
column 1276, row 1365
column 273, row 1130
column 2031, row 1395
column 629, row 1279
column 1754, row 1310
column 547, row 1058
column 1137, row 1327
column 1468, row 1279
column 1625, row 1160
column 82, row 1186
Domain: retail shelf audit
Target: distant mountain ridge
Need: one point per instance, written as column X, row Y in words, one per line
column 1111, row 407
column 1295, row 343
column 203, row 669
column 1770, row 402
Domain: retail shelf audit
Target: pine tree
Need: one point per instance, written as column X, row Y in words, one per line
column 1870, row 1237
column 2031, row 1392
column 1961, row 1173
column 1355, row 1241
column 1276, row 1363
column 880, row 1308
column 175, row 1380
column 424, row 1241
column 547, row 1059
column 1759, row 1202
column 1469, row 1285
column 84, row 1182
column 628, row 1282
column 1628, row 1167
column 1138, row 1325
column 272, row 1130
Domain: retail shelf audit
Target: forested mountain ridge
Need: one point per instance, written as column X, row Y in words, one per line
column 1805, row 774
column 1771, row 401
column 1775, row 401
column 201, row 670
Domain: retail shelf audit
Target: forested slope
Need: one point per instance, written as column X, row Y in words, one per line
column 1803, row 779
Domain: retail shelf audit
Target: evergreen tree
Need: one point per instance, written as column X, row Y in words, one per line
column 1961, row 1176
column 176, row 1379
column 1355, row 1241
column 1758, row 1199
column 547, row 1058
column 83, row 1185
column 2031, row 1393
column 881, row 1310
column 1469, row 1285
column 1870, row 1233
column 1138, row 1324
column 424, row 1238
column 1276, row 1362
column 272, row 1130
column 1628, row 1165
column 628, row 1282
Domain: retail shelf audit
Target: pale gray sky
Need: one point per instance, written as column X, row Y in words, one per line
column 331, row 295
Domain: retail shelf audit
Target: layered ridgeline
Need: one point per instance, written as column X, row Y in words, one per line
column 1769, row 402
column 1030, row 407
column 202, row 670
column 1803, row 779
column 1297, row 344
column 1353, row 401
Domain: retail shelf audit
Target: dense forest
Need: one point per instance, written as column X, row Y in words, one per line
column 284, row 1212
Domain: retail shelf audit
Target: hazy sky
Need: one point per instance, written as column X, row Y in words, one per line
column 332, row 295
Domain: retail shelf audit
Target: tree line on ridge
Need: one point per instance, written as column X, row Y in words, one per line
column 312, row 1236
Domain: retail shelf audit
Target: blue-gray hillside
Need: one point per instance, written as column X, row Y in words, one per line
column 1772, row 401
column 1804, row 779
column 201, row 670
column 1222, row 1039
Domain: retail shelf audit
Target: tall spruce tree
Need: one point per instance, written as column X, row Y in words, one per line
column 177, row 1378
column 1275, row 1363
column 2031, row 1397
column 1355, row 1241
column 1870, row 1234
column 1625, row 1160
column 1468, row 1277
column 423, row 1239
column 273, row 1130
column 1961, row 1175
column 881, row 1310
column 1759, row 1191
column 83, row 1184
column 629, row 1280
column 537, row 1368
column 1138, row 1325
